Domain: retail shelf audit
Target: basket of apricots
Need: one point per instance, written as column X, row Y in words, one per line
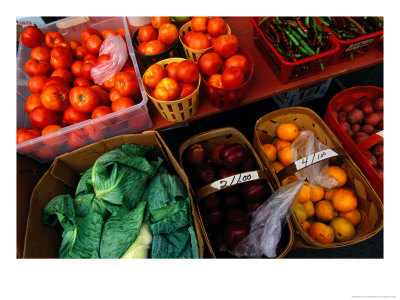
column 347, row 213
column 199, row 34
column 156, row 41
column 173, row 86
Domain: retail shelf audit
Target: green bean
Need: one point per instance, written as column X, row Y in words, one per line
column 277, row 20
column 307, row 21
column 324, row 22
column 303, row 43
column 291, row 37
column 301, row 32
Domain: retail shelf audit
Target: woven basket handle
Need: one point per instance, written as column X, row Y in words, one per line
column 227, row 182
column 308, row 161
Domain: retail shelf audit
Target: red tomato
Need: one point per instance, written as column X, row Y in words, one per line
column 239, row 61
column 138, row 122
column 73, row 44
column 216, row 81
column 141, row 48
column 187, row 37
column 64, row 74
column 216, row 26
column 199, row 24
column 77, row 139
column 50, row 128
column 147, row 33
column 82, row 82
column 158, row 21
column 93, row 44
column 24, row 135
column 168, row 33
column 87, row 32
column 127, row 84
column 102, row 94
column 232, row 77
column 106, row 32
column 95, row 133
column 80, row 52
column 63, row 45
column 90, row 58
column 61, row 58
column 172, row 70
column 130, row 70
column 121, row 103
column 37, row 67
column 153, row 75
column 41, row 53
column 40, row 117
column 100, row 111
column 86, row 69
column 71, row 116
column 52, row 38
column 210, row 63
column 114, row 94
column 83, row 99
column 55, row 80
column 226, row 45
column 102, row 57
column 188, row 71
column 55, row 97
column 121, row 32
column 167, row 89
column 199, row 41
column 32, row 37
column 186, row 89
column 36, row 83
column 154, row 47
column 32, row 102
column 109, row 83
column 76, row 68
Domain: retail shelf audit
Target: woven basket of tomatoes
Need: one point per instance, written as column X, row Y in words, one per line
column 344, row 212
column 156, row 41
column 198, row 35
column 226, row 74
column 173, row 86
column 229, row 182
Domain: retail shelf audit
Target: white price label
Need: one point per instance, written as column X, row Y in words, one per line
column 361, row 44
column 314, row 158
column 235, row 179
column 380, row 133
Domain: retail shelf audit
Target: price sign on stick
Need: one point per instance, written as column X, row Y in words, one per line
column 314, row 158
column 235, row 179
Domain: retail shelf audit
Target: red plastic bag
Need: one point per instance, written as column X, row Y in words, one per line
column 114, row 46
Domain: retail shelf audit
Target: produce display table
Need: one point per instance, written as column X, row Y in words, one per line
column 264, row 83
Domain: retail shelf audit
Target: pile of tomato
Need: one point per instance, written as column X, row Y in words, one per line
column 176, row 81
column 63, row 92
column 157, row 37
column 204, row 33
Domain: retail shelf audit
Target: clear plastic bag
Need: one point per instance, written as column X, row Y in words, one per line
column 266, row 223
column 306, row 144
column 114, row 46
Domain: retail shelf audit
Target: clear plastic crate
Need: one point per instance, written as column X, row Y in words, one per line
column 130, row 120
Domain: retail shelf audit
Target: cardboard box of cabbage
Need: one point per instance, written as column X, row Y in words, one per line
column 123, row 197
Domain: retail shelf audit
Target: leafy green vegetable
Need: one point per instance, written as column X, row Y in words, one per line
column 119, row 177
column 147, row 206
column 82, row 221
column 121, row 231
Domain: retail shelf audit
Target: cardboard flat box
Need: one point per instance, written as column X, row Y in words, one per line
column 42, row 241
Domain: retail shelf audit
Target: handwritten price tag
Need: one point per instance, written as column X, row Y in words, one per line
column 235, row 179
column 314, row 158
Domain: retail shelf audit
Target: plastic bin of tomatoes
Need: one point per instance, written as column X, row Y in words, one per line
column 355, row 115
column 173, row 86
column 294, row 47
column 59, row 108
column 199, row 34
column 156, row 41
column 229, row 183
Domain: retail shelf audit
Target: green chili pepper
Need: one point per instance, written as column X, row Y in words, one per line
column 291, row 37
column 322, row 66
column 301, row 32
column 307, row 21
column 278, row 21
column 324, row 22
column 303, row 43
